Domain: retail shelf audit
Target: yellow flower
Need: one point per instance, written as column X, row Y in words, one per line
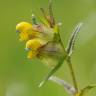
column 22, row 26
column 32, row 54
column 33, row 45
column 29, row 31
column 26, row 31
column 23, row 36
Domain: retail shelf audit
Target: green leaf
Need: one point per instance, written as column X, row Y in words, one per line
column 71, row 43
column 52, row 71
column 85, row 90
column 52, row 20
column 69, row 88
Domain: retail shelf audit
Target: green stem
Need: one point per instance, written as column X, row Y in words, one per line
column 72, row 74
column 70, row 65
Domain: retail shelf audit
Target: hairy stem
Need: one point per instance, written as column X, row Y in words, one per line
column 72, row 74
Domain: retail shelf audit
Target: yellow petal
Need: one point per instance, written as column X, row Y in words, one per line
column 34, row 44
column 23, row 36
column 22, row 26
column 31, row 54
column 26, row 31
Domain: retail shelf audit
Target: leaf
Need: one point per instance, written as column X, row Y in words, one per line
column 85, row 90
column 71, row 43
column 44, row 16
column 49, row 18
column 52, row 20
column 69, row 88
column 52, row 71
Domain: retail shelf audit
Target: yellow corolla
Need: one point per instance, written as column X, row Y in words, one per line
column 26, row 31
column 22, row 26
column 33, row 45
column 32, row 54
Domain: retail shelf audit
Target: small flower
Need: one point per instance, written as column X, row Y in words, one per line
column 33, row 45
column 43, row 42
column 26, row 31
column 22, row 26
column 29, row 31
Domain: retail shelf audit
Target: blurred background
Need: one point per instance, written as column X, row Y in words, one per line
column 20, row 76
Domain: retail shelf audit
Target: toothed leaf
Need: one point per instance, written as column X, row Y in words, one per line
column 71, row 43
